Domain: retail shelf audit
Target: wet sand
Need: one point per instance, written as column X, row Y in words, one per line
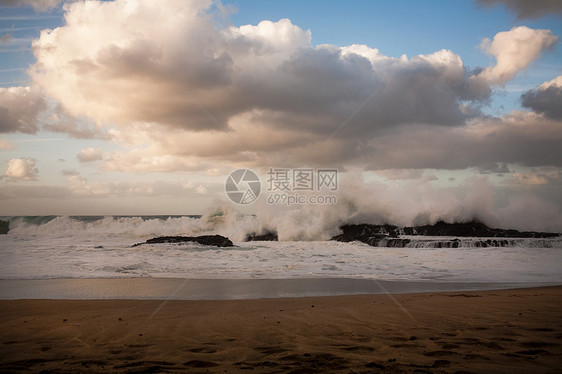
column 229, row 289
column 515, row 331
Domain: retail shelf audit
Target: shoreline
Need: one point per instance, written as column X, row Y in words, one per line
column 231, row 289
column 514, row 330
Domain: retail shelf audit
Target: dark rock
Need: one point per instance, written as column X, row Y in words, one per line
column 213, row 240
column 387, row 235
column 375, row 235
column 472, row 229
column 269, row 236
column 369, row 234
column 4, row 227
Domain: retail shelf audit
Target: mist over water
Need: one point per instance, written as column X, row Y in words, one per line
column 406, row 204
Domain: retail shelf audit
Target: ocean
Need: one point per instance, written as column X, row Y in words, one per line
column 86, row 247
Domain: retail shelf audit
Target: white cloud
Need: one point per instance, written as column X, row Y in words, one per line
column 21, row 169
column 89, row 155
column 514, row 51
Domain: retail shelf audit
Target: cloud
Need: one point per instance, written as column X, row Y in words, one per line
column 150, row 160
column 19, row 109
column 81, row 186
column 80, row 128
column 182, row 94
column 525, row 9
column 266, row 73
column 21, row 169
column 70, row 172
column 514, row 51
column 540, row 177
column 202, row 190
column 20, row 194
column 524, row 138
column 546, row 99
column 6, row 38
column 38, row 5
column 89, row 155
column 493, row 167
column 6, row 145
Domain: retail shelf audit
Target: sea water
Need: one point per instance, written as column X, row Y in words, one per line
column 56, row 247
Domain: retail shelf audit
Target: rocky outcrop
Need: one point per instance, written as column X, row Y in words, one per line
column 4, row 227
column 370, row 234
column 212, row 240
column 472, row 229
column 269, row 236
column 387, row 235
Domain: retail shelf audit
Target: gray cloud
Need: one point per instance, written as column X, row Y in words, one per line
column 70, row 172
column 527, row 9
column 546, row 99
column 19, row 109
column 519, row 138
column 38, row 5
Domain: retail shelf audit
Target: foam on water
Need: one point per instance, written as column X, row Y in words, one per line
column 100, row 247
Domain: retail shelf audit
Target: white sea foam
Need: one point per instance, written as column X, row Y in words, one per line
column 64, row 247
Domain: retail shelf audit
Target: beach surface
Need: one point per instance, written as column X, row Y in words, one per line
column 516, row 331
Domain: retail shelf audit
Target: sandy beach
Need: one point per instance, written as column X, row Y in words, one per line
column 516, row 331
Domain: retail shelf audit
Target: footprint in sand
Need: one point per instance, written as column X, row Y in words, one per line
column 200, row 364
column 440, row 353
column 359, row 348
column 203, row 350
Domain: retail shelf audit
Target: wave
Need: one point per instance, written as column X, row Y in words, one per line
column 304, row 224
column 135, row 226
column 218, row 221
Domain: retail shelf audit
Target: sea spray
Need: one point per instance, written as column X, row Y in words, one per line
column 403, row 204
column 137, row 227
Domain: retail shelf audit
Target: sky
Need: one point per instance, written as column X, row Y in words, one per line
column 428, row 109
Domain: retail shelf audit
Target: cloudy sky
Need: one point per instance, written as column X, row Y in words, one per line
column 145, row 107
